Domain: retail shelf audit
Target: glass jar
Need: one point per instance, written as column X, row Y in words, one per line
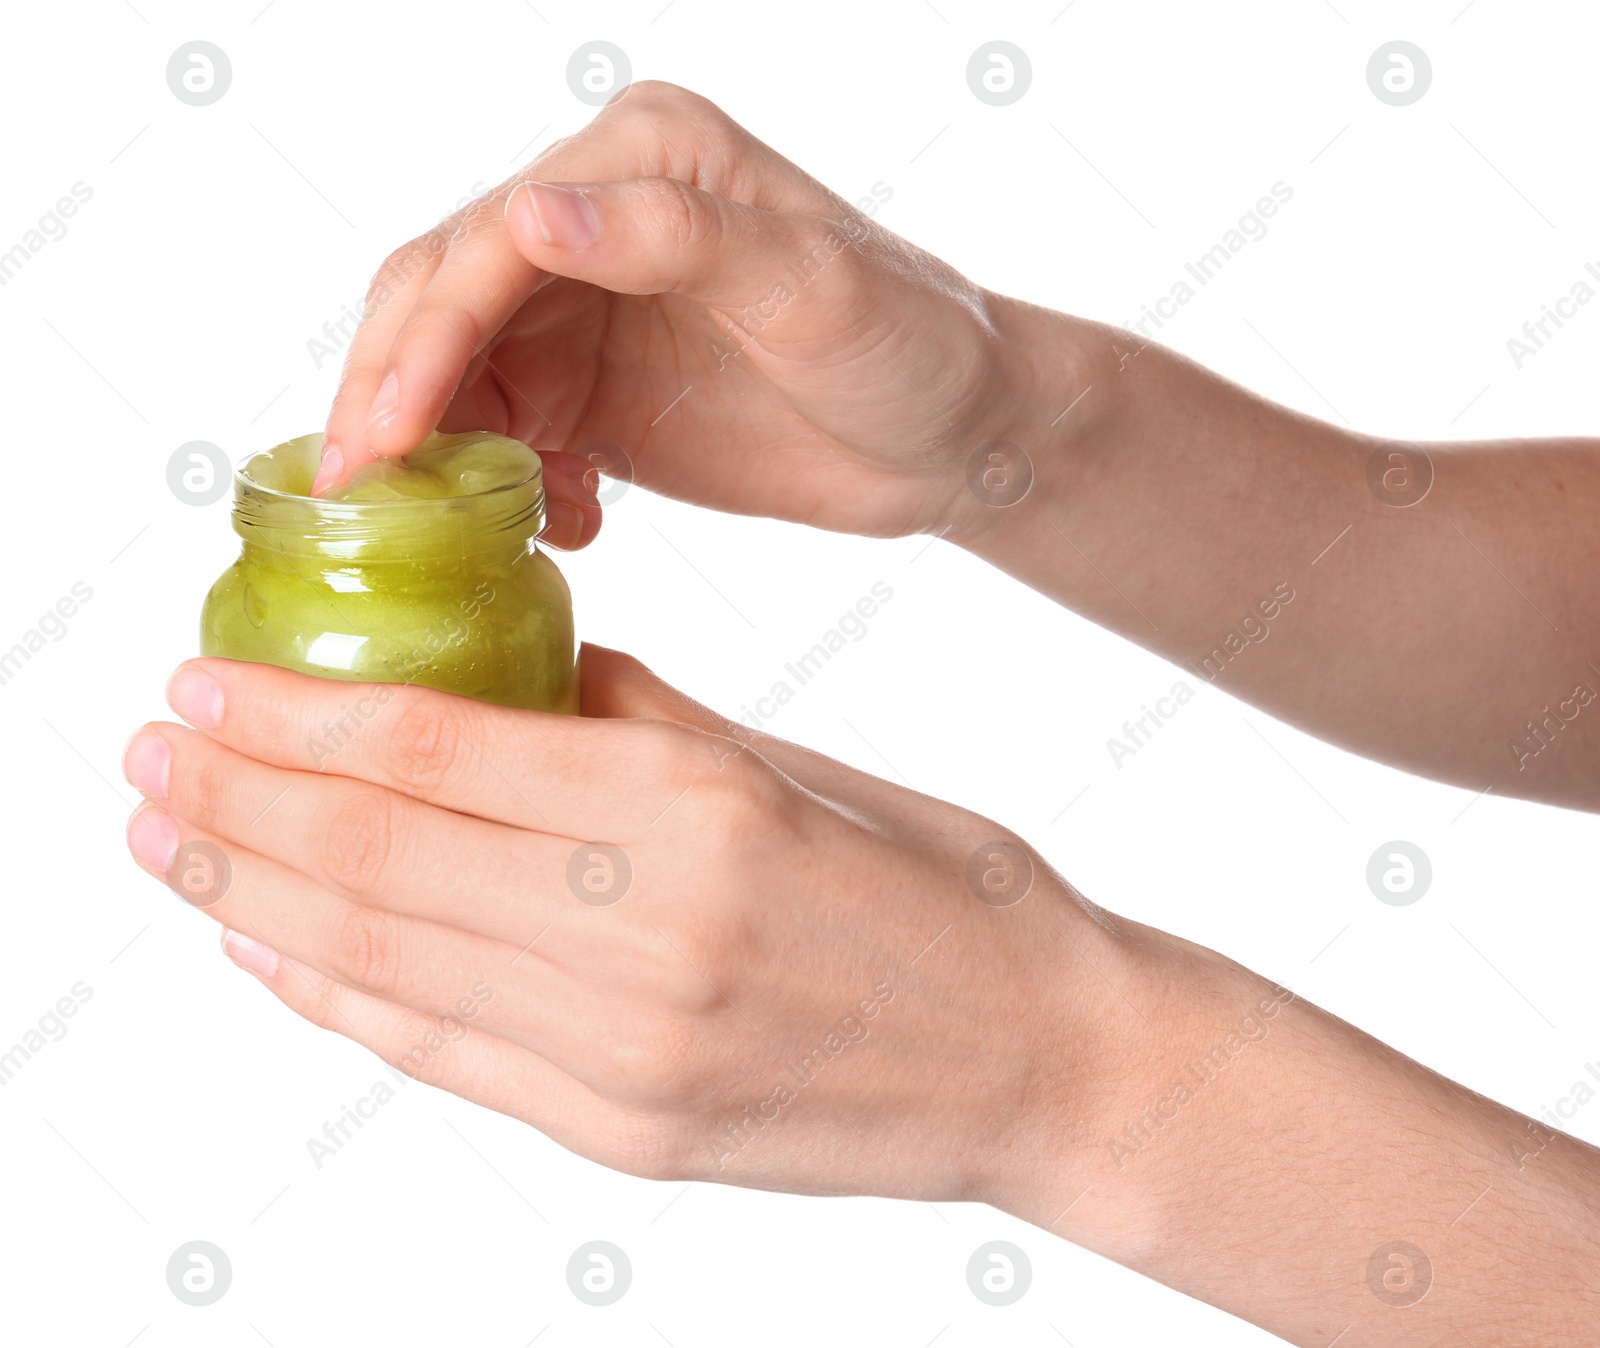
column 446, row 591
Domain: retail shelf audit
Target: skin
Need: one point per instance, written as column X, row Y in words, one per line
column 431, row 890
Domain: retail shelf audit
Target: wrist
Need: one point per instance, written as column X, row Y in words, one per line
column 1146, row 1045
column 1098, row 1011
column 1238, row 1144
column 1055, row 399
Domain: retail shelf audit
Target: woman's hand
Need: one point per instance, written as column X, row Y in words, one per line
column 687, row 952
column 678, row 949
column 662, row 288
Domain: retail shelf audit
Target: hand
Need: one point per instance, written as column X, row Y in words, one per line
column 771, row 970
column 767, row 968
column 665, row 284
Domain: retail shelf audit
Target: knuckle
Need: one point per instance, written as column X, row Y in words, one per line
column 648, row 103
column 664, row 754
column 663, row 101
column 423, row 1057
column 684, row 216
column 423, row 745
column 657, row 95
column 738, row 793
column 630, row 669
column 208, row 792
column 404, row 264
column 649, row 1146
column 684, row 986
column 358, row 841
column 653, row 1064
column 393, row 272
column 366, row 951
column 557, row 152
column 320, row 1004
column 454, row 320
column 832, row 244
column 483, row 211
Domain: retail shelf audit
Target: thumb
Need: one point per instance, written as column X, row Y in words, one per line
column 653, row 236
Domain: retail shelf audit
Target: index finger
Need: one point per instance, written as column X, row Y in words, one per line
column 577, row 777
column 481, row 279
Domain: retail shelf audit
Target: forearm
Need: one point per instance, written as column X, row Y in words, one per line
column 1184, row 512
column 1268, row 1158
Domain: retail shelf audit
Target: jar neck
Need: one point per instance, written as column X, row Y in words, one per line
column 487, row 526
column 312, row 562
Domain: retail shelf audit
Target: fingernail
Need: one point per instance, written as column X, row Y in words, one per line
column 327, row 471
column 147, row 764
column 153, row 837
column 249, row 954
column 385, row 402
column 196, row 697
column 566, row 218
column 563, row 526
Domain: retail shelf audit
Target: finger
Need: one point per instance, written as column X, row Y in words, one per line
column 618, row 685
column 650, row 235
column 431, row 968
column 571, row 506
column 476, row 287
column 451, row 1053
column 427, row 966
column 391, row 295
column 572, row 776
column 651, row 129
column 365, row 843
column 656, row 236
column 423, row 965
column 615, row 684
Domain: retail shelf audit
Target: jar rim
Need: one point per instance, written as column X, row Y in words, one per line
column 487, row 515
column 242, row 482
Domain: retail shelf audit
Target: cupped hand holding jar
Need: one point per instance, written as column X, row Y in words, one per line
column 693, row 952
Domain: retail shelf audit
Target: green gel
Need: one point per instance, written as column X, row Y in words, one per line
column 419, row 570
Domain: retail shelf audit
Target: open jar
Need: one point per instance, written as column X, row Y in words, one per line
column 422, row 570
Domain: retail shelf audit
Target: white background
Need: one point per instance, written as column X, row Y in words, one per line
column 178, row 307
